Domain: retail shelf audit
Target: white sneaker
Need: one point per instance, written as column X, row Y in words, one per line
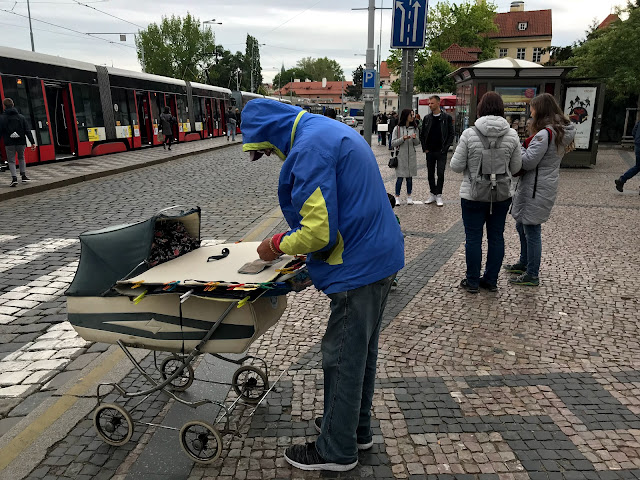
column 431, row 199
column 409, row 201
column 439, row 201
column 397, row 201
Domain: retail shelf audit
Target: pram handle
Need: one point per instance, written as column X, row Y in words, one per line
column 172, row 207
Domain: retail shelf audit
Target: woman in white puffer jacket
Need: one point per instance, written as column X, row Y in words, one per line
column 475, row 214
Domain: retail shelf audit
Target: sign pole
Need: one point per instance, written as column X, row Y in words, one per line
column 370, row 65
column 406, row 91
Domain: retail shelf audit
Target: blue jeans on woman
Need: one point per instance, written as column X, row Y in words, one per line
column 399, row 185
column 530, row 247
column 475, row 215
column 349, row 356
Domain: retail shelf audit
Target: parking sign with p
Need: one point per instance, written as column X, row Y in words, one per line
column 369, row 79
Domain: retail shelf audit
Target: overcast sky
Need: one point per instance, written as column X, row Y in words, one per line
column 291, row 29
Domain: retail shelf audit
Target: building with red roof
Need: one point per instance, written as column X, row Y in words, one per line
column 321, row 92
column 524, row 35
column 461, row 56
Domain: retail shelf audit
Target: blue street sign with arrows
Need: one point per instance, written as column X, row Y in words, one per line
column 409, row 23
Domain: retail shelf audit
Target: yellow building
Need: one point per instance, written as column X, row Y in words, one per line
column 524, row 35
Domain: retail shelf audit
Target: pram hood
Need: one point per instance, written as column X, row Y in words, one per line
column 113, row 253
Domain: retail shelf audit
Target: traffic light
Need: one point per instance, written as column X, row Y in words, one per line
column 381, row 83
column 346, row 109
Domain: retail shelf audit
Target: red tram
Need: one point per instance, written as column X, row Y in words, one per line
column 77, row 109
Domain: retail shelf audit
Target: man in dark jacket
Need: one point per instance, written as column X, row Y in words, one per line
column 436, row 138
column 633, row 171
column 15, row 131
column 393, row 123
column 232, row 123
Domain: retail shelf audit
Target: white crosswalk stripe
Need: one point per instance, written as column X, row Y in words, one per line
column 34, row 251
column 6, row 238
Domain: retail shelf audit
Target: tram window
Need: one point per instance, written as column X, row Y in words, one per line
column 16, row 89
column 120, row 107
column 197, row 108
column 86, row 100
column 39, row 112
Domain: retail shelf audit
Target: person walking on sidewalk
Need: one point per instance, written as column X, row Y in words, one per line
column 168, row 121
column 479, row 209
column 393, row 122
column 354, row 249
column 633, row 171
column 436, row 138
column 15, row 131
column 536, row 192
column 232, row 123
column 404, row 139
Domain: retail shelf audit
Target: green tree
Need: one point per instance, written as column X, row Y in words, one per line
column 319, row 68
column 224, row 68
column 252, row 65
column 177, row 47
column 355, row 90
column 430, row 72
column 282, row 78
column 467, row 24
column 612, row 55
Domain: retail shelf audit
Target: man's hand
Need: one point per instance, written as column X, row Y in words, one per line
column 33, row 148
column 265, row 252
column 425, row 151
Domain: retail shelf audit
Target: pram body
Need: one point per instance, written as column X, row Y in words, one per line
column 192, row 304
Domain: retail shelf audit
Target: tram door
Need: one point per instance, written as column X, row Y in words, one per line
column 62, row 119
column 209, row 117
column 146, row 125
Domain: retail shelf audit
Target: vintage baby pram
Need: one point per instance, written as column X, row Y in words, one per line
column 186, row 300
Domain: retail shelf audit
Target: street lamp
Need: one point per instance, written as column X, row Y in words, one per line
column 213, row 22
column 253, row 47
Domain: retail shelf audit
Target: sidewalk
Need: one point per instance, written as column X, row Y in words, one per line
column 525, row 383
column 53, row 175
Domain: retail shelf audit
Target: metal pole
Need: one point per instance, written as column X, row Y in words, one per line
column 33, row 48
column 370, row 65
column 376, row 95
column 342, row 98
column 406, row 91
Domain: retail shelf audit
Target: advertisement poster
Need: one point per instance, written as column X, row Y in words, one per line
column 516, row 106
column 93, row 134
column 580, row 106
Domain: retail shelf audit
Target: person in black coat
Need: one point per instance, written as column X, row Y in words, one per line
column 15, row 131
column 393, row 123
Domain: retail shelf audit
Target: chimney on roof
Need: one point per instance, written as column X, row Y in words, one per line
column 517, row 6
column 324, row 83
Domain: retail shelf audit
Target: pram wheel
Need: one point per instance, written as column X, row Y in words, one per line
column 201, row 442
column 113, row 424
column 250, row 383
column 182, row 381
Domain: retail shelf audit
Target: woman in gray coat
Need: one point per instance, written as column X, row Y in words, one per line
column 405, row 137
column 478, row 213
column 538, row 185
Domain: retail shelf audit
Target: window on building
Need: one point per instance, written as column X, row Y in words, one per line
column 537, row 54
column 520, row 54
column 522, row 26
column 503, row 52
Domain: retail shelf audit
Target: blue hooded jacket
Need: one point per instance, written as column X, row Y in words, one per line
column 331, row 194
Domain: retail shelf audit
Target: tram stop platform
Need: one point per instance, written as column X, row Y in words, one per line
column 52, row 175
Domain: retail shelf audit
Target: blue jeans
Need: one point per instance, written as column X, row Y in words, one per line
column 633, row 171
column 399, row 185
column 475, row 215
column 231, row 129
column 349, row 356
column 530, row 247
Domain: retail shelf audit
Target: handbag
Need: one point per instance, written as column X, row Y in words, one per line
column 393, row 161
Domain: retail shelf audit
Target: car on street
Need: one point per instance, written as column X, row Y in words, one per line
column 340, row 118
column 351, row 121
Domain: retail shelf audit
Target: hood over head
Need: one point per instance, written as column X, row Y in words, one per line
column 492, row 126
column 569, row 134
column 268, row 124
column 11, row 111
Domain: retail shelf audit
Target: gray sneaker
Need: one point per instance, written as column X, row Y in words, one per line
column 526, row 280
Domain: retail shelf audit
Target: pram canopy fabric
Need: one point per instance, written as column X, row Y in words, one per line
column 113, row 253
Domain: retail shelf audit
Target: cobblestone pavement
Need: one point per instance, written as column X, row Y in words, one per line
column 523, row 383
column 52, row 175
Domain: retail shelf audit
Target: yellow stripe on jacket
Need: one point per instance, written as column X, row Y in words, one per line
column 314, row 233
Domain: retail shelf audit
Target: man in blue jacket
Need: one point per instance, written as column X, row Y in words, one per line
column 633, row 171
column 333, row 198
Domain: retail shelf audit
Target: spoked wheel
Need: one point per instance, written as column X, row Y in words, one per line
column 113, row 424
column 201, row 442
column 182, row 381
column 250, row 383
